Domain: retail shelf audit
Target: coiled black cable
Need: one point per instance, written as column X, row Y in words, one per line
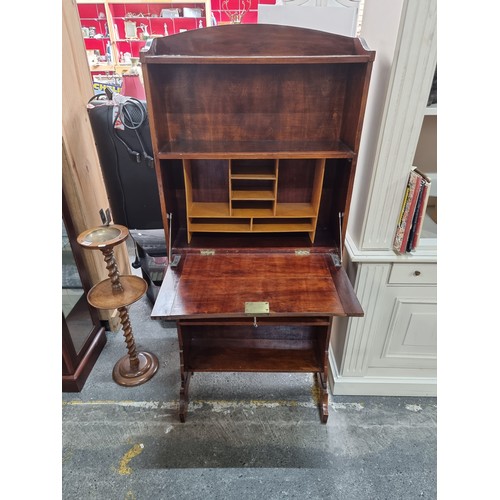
column 132, row 113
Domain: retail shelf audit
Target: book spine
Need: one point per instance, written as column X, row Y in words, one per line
column 405, row 199
column 413, row 227
column 421, row 215
column 399, row 244
column 411, row 214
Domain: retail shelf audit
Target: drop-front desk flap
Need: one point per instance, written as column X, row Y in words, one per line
column 226, row 285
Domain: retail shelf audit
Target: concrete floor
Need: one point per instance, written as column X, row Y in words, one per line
column 247, row 436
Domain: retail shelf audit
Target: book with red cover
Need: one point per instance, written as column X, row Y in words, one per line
column 422, row 209
column 403, row 229
column 413, row 227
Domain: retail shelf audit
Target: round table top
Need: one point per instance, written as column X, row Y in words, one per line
column 102, row 237
column 102, row 295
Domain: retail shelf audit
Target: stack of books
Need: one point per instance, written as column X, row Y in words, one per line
column 412, row 214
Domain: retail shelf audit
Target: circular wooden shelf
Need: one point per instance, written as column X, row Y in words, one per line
column 102, row 295
column 103, row 237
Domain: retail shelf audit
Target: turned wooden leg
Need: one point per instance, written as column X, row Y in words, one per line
column 323, row 396
column 129, row 337
column 184, row 395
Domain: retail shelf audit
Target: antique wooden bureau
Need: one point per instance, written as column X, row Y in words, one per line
column 255, row 131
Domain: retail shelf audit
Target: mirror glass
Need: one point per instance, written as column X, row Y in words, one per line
column 74, row 300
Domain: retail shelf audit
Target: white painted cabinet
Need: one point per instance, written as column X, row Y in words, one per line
column 403, row 339
column 392, row 349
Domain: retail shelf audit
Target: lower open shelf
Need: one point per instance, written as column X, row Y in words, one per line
column 263, row 356
column 232, row 345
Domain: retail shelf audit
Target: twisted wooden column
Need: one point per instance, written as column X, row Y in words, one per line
column 114, row 276
column 129, row 338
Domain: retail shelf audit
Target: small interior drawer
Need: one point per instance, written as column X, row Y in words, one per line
column 418, row 273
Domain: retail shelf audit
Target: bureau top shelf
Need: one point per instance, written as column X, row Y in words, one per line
column 222, row 45
column 254, row 149
column 250, row 91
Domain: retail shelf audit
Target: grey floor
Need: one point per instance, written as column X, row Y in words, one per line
column 247, row 436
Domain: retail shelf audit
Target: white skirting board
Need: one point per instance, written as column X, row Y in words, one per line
column 379, row 386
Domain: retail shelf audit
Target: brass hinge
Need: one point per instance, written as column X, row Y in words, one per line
column 207, row 252
column 337, row 262
column 175, row 260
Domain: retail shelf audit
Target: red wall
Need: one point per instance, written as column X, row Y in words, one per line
column 93, row 15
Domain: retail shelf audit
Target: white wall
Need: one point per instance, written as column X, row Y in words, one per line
column 332, row 19
column 376, row 14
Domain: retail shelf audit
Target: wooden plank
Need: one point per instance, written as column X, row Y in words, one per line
column 220, row 227
column 252, row 195
column 200, row 209
column 350, row 302
column 219, row 286
column 227, row 297
column 249, row 265
column 82, row 180
column 295, row 210
column 224, row 357
column 283, row 226
column 253, row 149
column 253, row 212
column 263, row 320
column 281, row 43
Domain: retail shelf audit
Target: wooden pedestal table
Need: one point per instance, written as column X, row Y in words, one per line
column 119, row 292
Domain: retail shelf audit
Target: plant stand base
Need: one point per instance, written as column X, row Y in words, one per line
column 124, row 374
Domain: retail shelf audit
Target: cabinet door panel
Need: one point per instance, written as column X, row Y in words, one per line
column 413, row 331
column 409, row 343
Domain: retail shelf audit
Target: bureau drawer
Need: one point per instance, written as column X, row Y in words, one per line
column 413, row 274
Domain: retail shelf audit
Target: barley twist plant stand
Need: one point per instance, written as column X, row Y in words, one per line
column 119, row 292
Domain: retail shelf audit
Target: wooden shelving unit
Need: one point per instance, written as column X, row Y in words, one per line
column 108, row 19
column 252, row 203
column 255, row 140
